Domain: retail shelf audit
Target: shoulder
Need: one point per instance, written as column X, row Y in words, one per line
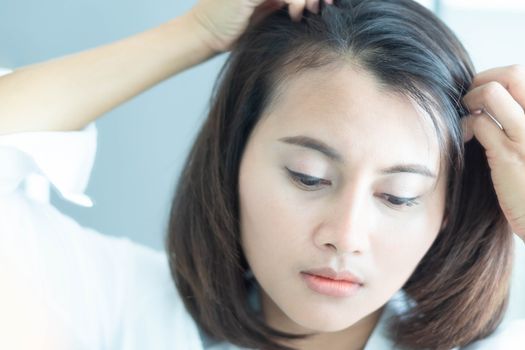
column 101, row 291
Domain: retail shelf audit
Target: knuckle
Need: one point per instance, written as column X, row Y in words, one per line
column 491, row 90
column 517, row 75
column 517, row 71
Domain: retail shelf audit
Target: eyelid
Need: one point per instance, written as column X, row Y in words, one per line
column 405, row 201
column 300, row 176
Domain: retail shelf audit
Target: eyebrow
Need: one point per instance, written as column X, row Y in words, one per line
column 333, row 154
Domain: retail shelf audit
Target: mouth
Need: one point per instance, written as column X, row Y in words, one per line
column 339, row 288
column 328, row 272
column 327, row 281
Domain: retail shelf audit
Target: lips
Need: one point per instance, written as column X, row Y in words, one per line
column 328, row 282
column 330, row 273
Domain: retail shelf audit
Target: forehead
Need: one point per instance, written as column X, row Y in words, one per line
column 347, row 108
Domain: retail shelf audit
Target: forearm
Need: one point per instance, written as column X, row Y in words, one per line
column 69, row 92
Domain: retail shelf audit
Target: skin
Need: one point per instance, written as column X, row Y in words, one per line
column 317, row 220
column 224, row 21
column 347, row 222
column 500, row 91
column 319, row 224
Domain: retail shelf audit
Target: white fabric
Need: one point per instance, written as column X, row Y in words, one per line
column 64, row 286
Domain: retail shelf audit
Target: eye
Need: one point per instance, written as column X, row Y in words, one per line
column 307, row 182
column 401, row 201
column 311, row 183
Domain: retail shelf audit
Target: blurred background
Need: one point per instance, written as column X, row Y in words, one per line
column 143, row 143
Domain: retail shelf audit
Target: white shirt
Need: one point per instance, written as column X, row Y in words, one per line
column 64, row 286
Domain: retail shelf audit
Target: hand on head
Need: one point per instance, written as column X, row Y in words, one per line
column 224, row 21
column 496, row 100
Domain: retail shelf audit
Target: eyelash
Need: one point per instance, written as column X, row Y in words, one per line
column 302, row 178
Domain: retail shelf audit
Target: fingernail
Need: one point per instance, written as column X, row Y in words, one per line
column 477, row 111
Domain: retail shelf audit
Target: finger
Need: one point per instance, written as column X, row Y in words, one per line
column 501, row 105
column 324, row 3
column 271, row 5
column 511, row 77
column 488, row 134
column 312, row 5
column 265, row 9
column 296, row 8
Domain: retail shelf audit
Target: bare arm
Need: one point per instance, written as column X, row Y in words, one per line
column 69, row 92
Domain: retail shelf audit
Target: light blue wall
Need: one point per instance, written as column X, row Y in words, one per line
column 495, row 38
column 143, row 143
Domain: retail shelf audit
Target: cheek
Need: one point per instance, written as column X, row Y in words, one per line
column 265, row 217
column 399, row 252
column 273, row 222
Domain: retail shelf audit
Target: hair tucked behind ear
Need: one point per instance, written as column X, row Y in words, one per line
column 461, row 285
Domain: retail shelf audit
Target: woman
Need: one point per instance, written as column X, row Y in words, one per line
column 327, row 200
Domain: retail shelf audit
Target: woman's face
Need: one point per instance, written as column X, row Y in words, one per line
column 360, row 217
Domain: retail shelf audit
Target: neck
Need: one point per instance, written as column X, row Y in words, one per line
column 354, row 337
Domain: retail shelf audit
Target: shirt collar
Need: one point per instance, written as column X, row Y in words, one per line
column 63, row 159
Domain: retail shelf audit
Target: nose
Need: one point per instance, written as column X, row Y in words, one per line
column 346, row 225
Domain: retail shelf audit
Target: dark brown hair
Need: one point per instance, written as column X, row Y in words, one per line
column 461, row 285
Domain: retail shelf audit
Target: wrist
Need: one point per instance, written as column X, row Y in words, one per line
column 183, row 43
column 204, row 38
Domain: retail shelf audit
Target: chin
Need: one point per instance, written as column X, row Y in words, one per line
column 324, row 322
